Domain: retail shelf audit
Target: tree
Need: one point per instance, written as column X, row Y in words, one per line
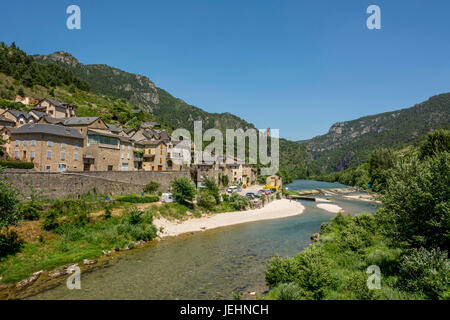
column 183, row 191
column 9, row 206
column 435, row 142
column 416, row 203
column 212, row 188
column 380, row 161
column 151, row 187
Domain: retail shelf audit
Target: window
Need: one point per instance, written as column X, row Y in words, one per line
column 16, row 155
column 33, row 142
column 75, row 156
column 50, row 143
column 160, row 160
column 17, row 143
column 128, row 156
column 32, row 154
column 47, row 168
column 110, row 168
column 129, row 148
column 123, row 147
column 63, row 145
column 76, row 145
column 123, row 155
column 49, row 155
column 63, row 156
column 24, row 142
column 124, row 166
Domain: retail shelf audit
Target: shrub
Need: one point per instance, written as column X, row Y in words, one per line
column 183, row 191
column 17, row 165
column 9, row 206
column 206, row 200
column 238, row 202
column 416, row 204
column 9, row 243
column 281, row 270
column 50, row 220
column 151, row 187
column 138, row 199
column 435, row 142
column 278, row 196
column 355, row 237
column 380, row 161
column 212, row 188
column 288, row 291
column 426, row 271
column 357, row 285
column 225, row 197
column 314, row 272
column 108, row 211
column 31, row 209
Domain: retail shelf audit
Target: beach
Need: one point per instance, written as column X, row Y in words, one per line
column 275, row 210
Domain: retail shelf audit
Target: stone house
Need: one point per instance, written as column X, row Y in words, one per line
column 55, row 109
column 20, row 118
column 51, row 148
column 155, row 156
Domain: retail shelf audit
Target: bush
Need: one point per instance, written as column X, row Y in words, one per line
column 17, row 165
column 314, row 272
column 278, row 196
column 225, row 197
column 281, row 270
column 151, row 187
column 206, row 200
column 212, row 188
column 416, row 205
column 183, row 191
column 435, row 143
column 138, row 199
column 288, row 291
column 9, row 206
column 9, row 243
column 50, row 220
column 238, row 202
column 426, row 271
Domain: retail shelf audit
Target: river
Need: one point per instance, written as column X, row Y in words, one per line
column 207, row 265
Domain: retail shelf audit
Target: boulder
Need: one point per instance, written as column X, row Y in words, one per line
column 29, row 280
column 89, row 262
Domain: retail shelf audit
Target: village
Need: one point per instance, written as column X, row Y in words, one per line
column 55, row 140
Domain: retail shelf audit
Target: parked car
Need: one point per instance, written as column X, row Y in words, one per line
column 263, row 192
column 273, row 190
column 232, row 189
column 167, row 198
column 251, row 195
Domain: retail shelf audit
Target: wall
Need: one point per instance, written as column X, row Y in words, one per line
column 65, row 185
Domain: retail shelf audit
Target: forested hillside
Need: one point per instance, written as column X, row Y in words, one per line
column 349, row 143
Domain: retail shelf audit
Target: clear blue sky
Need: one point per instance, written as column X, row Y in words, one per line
column 298, row 66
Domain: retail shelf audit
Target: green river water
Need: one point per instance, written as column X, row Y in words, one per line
column 207, row 265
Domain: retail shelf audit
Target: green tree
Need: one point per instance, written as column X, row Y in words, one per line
column 183, row 191
column 212, row 188
column 9, row 206
column 380, row 161
column 416, row 203
column 435, row 142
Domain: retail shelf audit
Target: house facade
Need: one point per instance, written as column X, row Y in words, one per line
column 51, row 148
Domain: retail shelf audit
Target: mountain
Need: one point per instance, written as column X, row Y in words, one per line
column 350, row 143
column 142, row 92
column 113, row 94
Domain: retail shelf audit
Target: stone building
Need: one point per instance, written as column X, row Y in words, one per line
column 51, row 148
column 55, row 109
column 155, row 155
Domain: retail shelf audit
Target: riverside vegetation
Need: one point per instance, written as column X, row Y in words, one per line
column 39, row 234
column 408, row 238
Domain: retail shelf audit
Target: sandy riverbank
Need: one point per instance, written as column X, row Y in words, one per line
column 333, row 208
column 277, row 209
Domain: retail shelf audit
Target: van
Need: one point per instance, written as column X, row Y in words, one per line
column 232, row 189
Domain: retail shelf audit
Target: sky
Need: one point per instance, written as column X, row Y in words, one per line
column 297, row 66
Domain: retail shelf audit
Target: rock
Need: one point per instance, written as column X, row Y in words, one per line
column 89, row 262
column 56, row 273
column 253, row 293
column 29, row 280
column 315, row 237
column 107, row 253
column 189, row 213
column 70, row 266
column 203, row 228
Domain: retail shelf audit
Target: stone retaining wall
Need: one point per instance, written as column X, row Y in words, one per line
column 73, row 184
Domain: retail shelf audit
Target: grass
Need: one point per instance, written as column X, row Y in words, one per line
column 71, row 243
column 138, row 199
